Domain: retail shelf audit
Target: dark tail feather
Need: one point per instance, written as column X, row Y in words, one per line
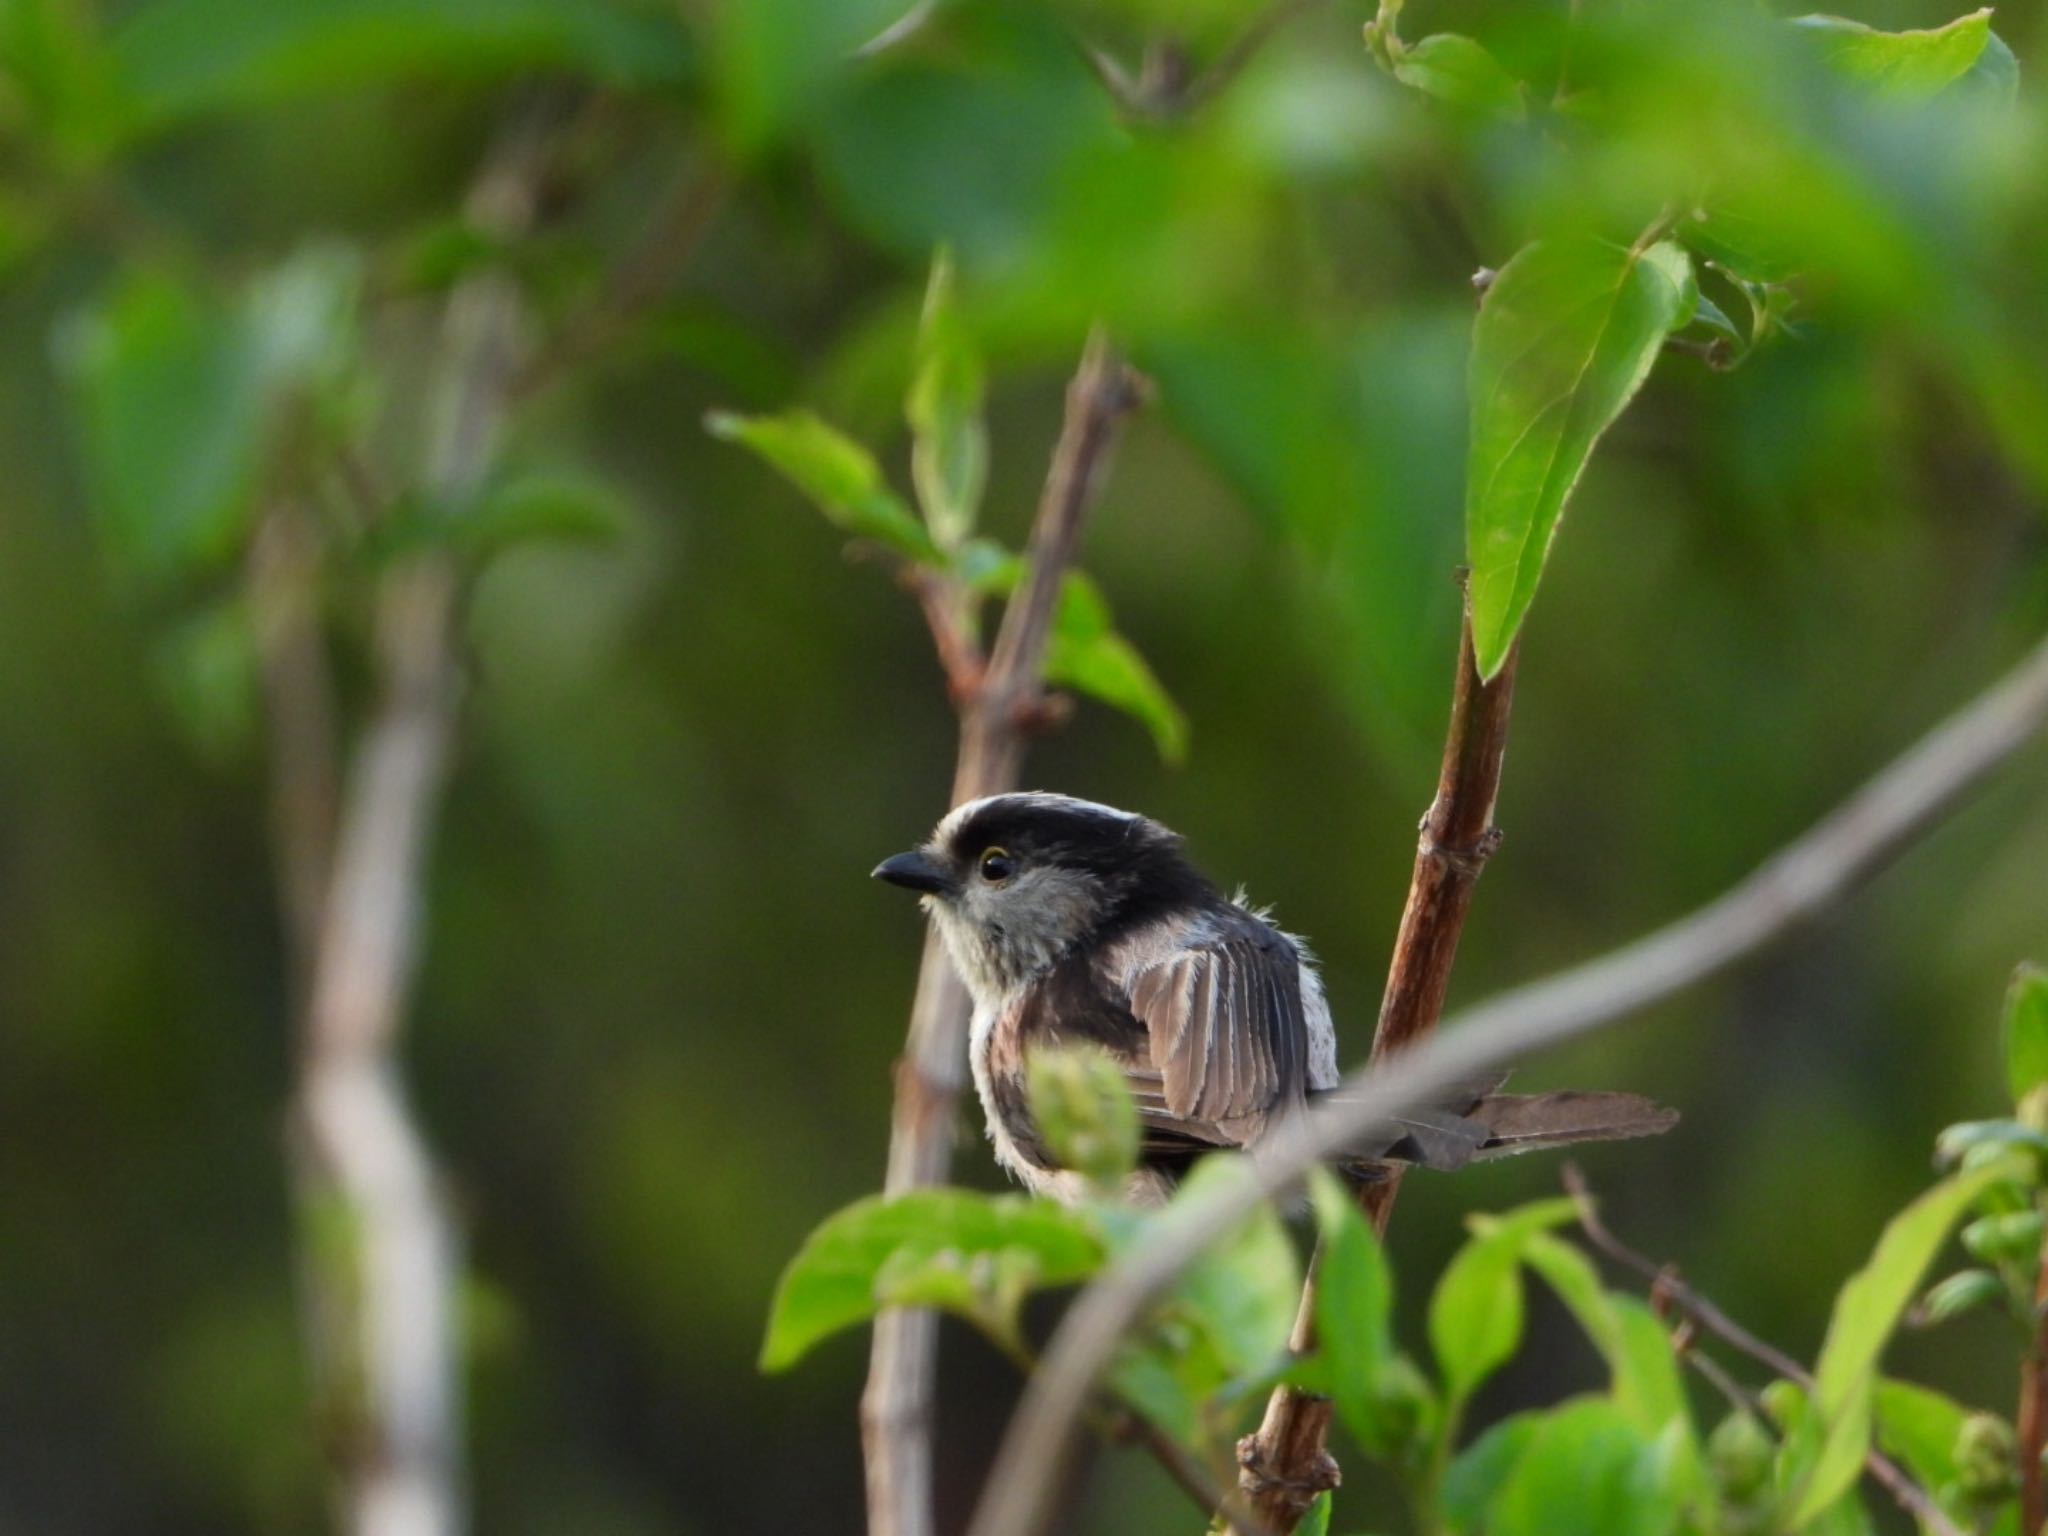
column 1502, row 1124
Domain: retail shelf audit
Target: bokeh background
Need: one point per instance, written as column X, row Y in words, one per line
column 660, row 999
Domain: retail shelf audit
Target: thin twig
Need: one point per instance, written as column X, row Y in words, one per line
column 1667, row 1287
column 1284, row 1465
column 1807, row 877
column 996, row 716
column 381, row 1251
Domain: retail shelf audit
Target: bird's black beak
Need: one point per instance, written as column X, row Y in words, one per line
column 914, row 871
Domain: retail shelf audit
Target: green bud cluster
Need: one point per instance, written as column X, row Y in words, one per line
column 1082, row 1108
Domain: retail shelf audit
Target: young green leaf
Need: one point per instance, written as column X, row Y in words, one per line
column 1086, row 654
column 1456, row 69
column 1995, row 77
column 838, row 475
column 207, row 668
column 1964, row 1291
column 1565, row 338
column 1645, row 1375
column 177, row 61
column 1831, row 1441
column 2026, row 1031
column 1475, row 1314
column 1915, row 63
column 1918, row 1426
column 1474, row 1479
column 832, row 1282
column 179, row 397
column 1587, row 1470
column 949, row 442
column 1226, row 1318
column 1354, row 1311
column 1244, row 1290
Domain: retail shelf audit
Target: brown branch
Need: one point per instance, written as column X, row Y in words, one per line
column 380, row 1251
column 1896, row 807
column 2031, row 1422
column 1284, row 1465
column 997, row 713
column 1666, row 1287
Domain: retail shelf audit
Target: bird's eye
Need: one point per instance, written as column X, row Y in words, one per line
column 997, row 864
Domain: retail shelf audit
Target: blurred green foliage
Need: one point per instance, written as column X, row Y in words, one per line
column 1629, row 1462
column 658, row 1005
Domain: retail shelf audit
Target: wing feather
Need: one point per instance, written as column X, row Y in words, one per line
column 1227, row 1030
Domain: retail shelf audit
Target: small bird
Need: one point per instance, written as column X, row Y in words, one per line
column 1075, row 923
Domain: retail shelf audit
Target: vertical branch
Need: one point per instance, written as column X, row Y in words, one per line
column 300, row 716
column 2031, row 1422
column 380, row 1255
column 1283, row 1466
column 999, row 709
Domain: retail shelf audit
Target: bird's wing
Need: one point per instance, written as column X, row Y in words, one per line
column 1227, row 1037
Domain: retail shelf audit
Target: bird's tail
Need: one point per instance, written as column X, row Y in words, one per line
column 1490, row 1124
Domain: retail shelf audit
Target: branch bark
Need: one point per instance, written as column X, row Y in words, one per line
column 2031, row 1420
column 1284, row 1465
column 1804, row 879
column 1001, row 704
column 1667, row 1287
column 380, row 1252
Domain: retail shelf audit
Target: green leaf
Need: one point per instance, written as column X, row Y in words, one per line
column 1966, row 1137
column 1995, row 77
column 1086, row 654
column 838, row 475
column 1245, row 1290
column 1918, row 1426
column 988, row 1288
column 1458, row 70
column 1227, row 1317
column 1964, row 1291
column 2026, row 1031
column 1833, row 1438
column 1109, row 669
column 173, row 416
column 1475, row 1478
column 1475, row 1314
column 949, row 442
column 832, row 1283
column 206, row 667
column 1565, row 338
column 1354, row 1311
column 1645, row 1376
column 1589, row 1470
column 560, row 507
column 1916, row 63
column 186, row 57
column 1317, row 1521
column 180, row 396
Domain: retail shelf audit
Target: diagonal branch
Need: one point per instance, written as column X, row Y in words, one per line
column 999, row 709
column 1904, row 801
column 1284, row 1466
column 1666, row 1286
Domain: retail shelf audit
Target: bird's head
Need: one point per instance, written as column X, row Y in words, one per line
column 1017, row 882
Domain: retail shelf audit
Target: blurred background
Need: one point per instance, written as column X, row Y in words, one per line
column 659, row 999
